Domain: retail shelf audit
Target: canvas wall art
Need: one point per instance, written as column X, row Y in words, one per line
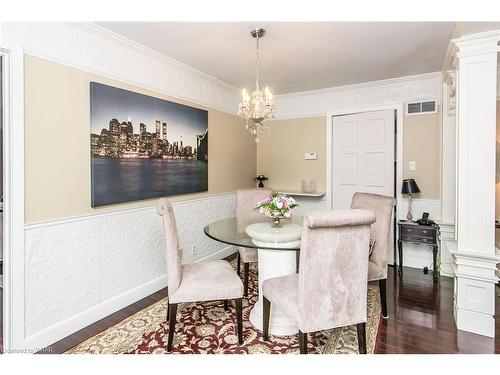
column 144, row 147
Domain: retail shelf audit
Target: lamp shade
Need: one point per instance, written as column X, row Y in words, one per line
column 410, row 187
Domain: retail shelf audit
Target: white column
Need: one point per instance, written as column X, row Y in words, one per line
column 475, row 255
column 448, row 167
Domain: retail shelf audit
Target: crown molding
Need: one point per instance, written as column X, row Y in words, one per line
column 146, row 51
column 88, row 47
column 477, row 44
column 362, row 85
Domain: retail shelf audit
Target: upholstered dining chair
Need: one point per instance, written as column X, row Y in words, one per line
column 330, row 289
column 194, row 282
column 380, row 232
column 246, row 200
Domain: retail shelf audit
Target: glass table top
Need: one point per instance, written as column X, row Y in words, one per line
column 227, row 231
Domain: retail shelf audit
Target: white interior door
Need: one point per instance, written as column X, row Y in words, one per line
column 363, row 157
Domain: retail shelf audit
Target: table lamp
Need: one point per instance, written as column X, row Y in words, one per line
column 409, row 187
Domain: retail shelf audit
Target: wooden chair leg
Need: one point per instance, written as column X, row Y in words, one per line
column 172, row 312
column 361, row 328
column 238, row 263
column 226, row 305
column 239, row 319
column 265, row 318
column 383, row 298
column 303, row 342
column 245, row 278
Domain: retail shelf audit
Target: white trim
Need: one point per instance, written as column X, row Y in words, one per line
column 81, row 320
column 362, row 85
column 399, row 146
column 89, row 48
column 43, row 224
column 398, row 126
column 13, row 191
column 65, row 328
column 129, row 43
column 317, row 103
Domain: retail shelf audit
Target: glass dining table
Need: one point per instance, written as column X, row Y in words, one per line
column 278, row 255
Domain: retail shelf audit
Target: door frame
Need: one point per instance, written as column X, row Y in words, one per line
column 13, row 193
column 398, row 126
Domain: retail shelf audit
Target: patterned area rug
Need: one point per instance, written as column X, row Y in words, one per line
column 204, row 328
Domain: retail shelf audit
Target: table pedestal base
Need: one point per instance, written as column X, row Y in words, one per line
column 274, row 263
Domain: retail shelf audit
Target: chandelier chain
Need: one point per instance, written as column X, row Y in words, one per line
column 257, row 63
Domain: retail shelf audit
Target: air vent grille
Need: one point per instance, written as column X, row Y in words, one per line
column 417, row 108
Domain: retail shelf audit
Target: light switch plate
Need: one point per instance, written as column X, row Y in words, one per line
column 412, row 165
column 310, row 156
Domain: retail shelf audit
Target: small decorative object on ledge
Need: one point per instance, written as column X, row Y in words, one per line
column 308, row 186
column 409, row 187
column 261, row 178
column 278, row 207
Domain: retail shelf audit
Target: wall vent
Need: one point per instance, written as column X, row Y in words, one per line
column 419, row 108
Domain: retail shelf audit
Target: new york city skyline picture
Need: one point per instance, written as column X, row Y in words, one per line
column 144, row 147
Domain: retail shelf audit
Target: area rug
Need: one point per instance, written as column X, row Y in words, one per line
column 206, row 328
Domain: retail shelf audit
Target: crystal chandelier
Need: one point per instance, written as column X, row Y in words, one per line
column 257, row 107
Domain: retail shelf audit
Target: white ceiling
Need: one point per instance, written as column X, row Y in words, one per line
column 298, row 56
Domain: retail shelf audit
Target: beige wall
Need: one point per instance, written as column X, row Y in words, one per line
column 280, row 153
column 57, row 144
column 422, row 144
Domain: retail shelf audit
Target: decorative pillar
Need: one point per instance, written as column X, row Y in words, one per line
column 475, row 255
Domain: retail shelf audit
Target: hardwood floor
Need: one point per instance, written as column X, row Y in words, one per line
column 420, row 319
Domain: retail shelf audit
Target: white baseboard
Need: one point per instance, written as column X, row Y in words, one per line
column 475, row 322
column 67, row 327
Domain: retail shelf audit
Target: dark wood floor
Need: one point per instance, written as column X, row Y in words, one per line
column 420, row 319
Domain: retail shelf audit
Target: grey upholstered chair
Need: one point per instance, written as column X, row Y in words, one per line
column 204, row 281
column 330, row 289
column 246, row 200
column 381, row 230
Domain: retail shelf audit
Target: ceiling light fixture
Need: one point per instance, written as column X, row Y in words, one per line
column 257, row 107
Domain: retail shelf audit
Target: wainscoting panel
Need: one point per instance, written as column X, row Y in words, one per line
column 83, row 269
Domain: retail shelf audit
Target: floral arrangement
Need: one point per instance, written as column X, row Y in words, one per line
column 277, row 206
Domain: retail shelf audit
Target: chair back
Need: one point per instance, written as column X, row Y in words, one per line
column 383, row 206
column 246, row 200
column 173, row 253
column 332, row 289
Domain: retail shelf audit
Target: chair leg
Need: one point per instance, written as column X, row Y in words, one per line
column 238, row 263
column 226, row 305
column 361, row 328
column 168, row 311
column 245, row 278
column 265, row 318
column 383, row 298
column 172, row 312
column 303, row 342
column 239, row 319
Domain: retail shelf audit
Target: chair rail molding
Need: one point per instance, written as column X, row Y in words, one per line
column 108, row 261
column 475, row 256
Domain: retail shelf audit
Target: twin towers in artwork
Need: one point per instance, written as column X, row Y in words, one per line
column 169, row 158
